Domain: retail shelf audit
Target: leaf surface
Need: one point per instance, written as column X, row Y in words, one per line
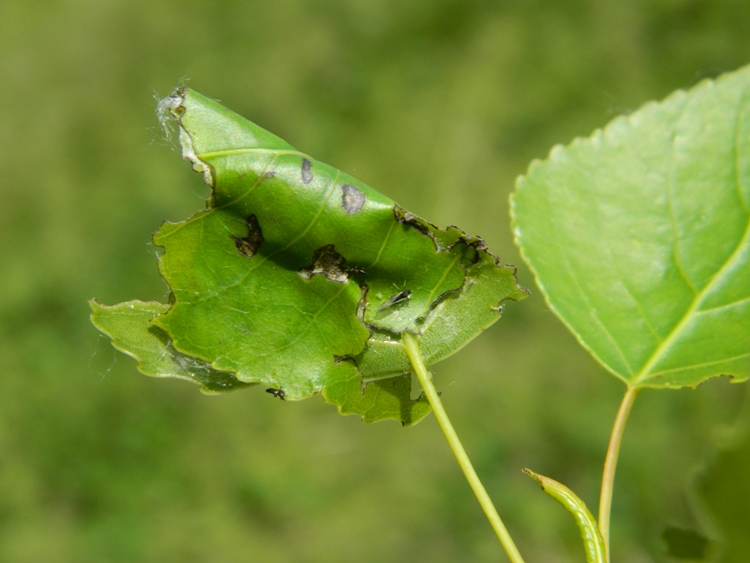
column 302, row 278
column 639, row 236
column 131, row 332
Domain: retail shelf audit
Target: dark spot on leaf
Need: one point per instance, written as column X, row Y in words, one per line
column 408, row 218
column 276, row 393
column 352, row 200
column 472, row 242
column 307, row 176
column 270, row 174
column 328, row 262
column 249, row 245
column 476, row 242
column 445, row 240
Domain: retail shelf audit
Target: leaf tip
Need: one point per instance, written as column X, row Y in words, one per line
column 535, row 476
column 97, row 307
column 167, row 107
column 171, row 109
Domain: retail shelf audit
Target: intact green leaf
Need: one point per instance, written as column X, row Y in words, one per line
column 302, row 278
column 593, row 543
column 639, row 236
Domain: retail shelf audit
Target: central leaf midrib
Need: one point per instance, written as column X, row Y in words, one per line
column 230, row 152
column 663, row 348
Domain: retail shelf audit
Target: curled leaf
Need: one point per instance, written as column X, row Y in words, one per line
column 128, row 325
column 302, row 278
column 593, row 543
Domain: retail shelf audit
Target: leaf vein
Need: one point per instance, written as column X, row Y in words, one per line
column 290, row 244
column 615, row 264
column 261, row 177
column 584, row 296
column 663, row 348
column 307, row 327
column 382, row 247
column 670, row 204
column 701, row 365
column 725, row 306
column 231, row 152
column 737, row 157
column 450, row 267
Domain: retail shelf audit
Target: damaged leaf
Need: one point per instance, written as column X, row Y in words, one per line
column 302, row 278
column 127, row 324
column 639, row 237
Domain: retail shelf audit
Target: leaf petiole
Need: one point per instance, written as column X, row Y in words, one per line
column 610, row 463
column 411, row 346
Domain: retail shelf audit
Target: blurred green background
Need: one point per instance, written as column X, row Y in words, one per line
column 439, row 104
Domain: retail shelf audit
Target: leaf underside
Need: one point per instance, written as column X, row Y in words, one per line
column 639, row 236
column 301, row 278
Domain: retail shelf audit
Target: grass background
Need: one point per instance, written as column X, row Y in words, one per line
column 439, row 104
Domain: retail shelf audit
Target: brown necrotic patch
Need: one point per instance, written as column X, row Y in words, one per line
column 307, row 175
column 329, row 263
column 352, row 200
column 408, row 218
column 249, row 245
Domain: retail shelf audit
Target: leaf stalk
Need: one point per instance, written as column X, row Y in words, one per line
column 411, row 346
column 610, row 463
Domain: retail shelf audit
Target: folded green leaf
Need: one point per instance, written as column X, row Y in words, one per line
column 640, row 236
column 593, row 543
column 302, row 278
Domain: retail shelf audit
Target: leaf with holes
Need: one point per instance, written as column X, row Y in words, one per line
column 302, row 278
column 639, row 237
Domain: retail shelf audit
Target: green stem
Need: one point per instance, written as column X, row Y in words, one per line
column 610, row 463
column 411, row 345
